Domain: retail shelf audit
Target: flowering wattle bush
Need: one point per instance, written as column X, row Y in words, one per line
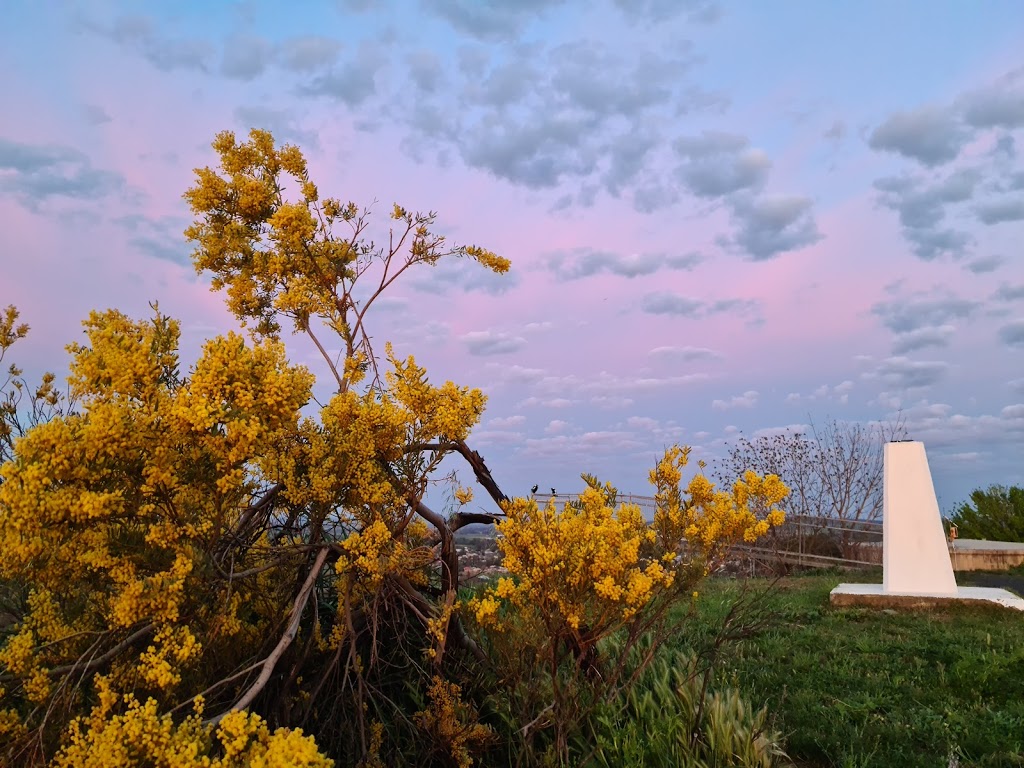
column 595, row 570
column 206, row 568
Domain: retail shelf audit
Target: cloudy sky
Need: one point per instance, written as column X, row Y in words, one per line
column 723, row 217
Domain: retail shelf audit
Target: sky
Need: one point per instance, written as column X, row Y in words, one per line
column 724, row 218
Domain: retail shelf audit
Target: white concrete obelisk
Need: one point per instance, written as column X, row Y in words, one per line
column 916, row 569
column 915, row 555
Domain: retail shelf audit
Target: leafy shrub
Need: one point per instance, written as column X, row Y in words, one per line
column 674, row 718
column 996, row 514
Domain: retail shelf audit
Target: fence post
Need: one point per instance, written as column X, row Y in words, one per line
column 800, row 538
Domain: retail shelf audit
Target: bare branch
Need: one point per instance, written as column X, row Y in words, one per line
column 268, row 664
column 78, row 665
column 462, row 519
column 483, row 474
column 342, row 384
column 474, row 459
column 258, row 507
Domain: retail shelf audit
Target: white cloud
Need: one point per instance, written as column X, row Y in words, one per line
column 920, row 338
column 1013, row 412
column 557, row 402
column 966, row 456
column 684, row 354
column 545, row 325
column 789, row 429
column 485, row 343
column 485, row 437
column 507, row 421
column 747, row 400
column 603, row 442
column 611, row 401
column 840, row 393
column 904, row 373
column 553, row 402
column 642, row 422
column 516, row 373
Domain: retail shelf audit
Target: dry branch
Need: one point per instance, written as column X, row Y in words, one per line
column 270, row 663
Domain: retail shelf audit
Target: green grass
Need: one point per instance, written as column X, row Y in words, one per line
column 859, row 687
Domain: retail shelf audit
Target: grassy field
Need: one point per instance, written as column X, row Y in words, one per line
column 857, row 687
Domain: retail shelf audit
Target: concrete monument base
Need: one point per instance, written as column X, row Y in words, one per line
column 875, row 596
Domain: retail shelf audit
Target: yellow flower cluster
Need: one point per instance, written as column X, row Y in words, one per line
column 452, row 724
column 447, row 412
column 590, row 565
column 140, row 509
column 115, row 508
column 172, row 648
column 371, row 552
column 282, row 257
column 437, row 628
column 582, row 564
column 142, row 736
column 712, row 520
column 12, row 729
column 19, row 658
column 156, row 597
column 492, row 261
column 44, row 628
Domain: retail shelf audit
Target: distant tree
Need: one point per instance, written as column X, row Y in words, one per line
column 790, row 456
column 850, row 467
column 996, row 514
column 834, row 471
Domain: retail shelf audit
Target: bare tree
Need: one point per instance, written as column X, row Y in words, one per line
column 850, row 466
column 789, row 455
column 834, row 471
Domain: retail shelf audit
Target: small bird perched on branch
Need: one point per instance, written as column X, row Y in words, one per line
column 553, row 492
column 534, row 489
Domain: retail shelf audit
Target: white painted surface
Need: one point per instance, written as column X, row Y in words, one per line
column 1001, row 597
column 915, row 556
